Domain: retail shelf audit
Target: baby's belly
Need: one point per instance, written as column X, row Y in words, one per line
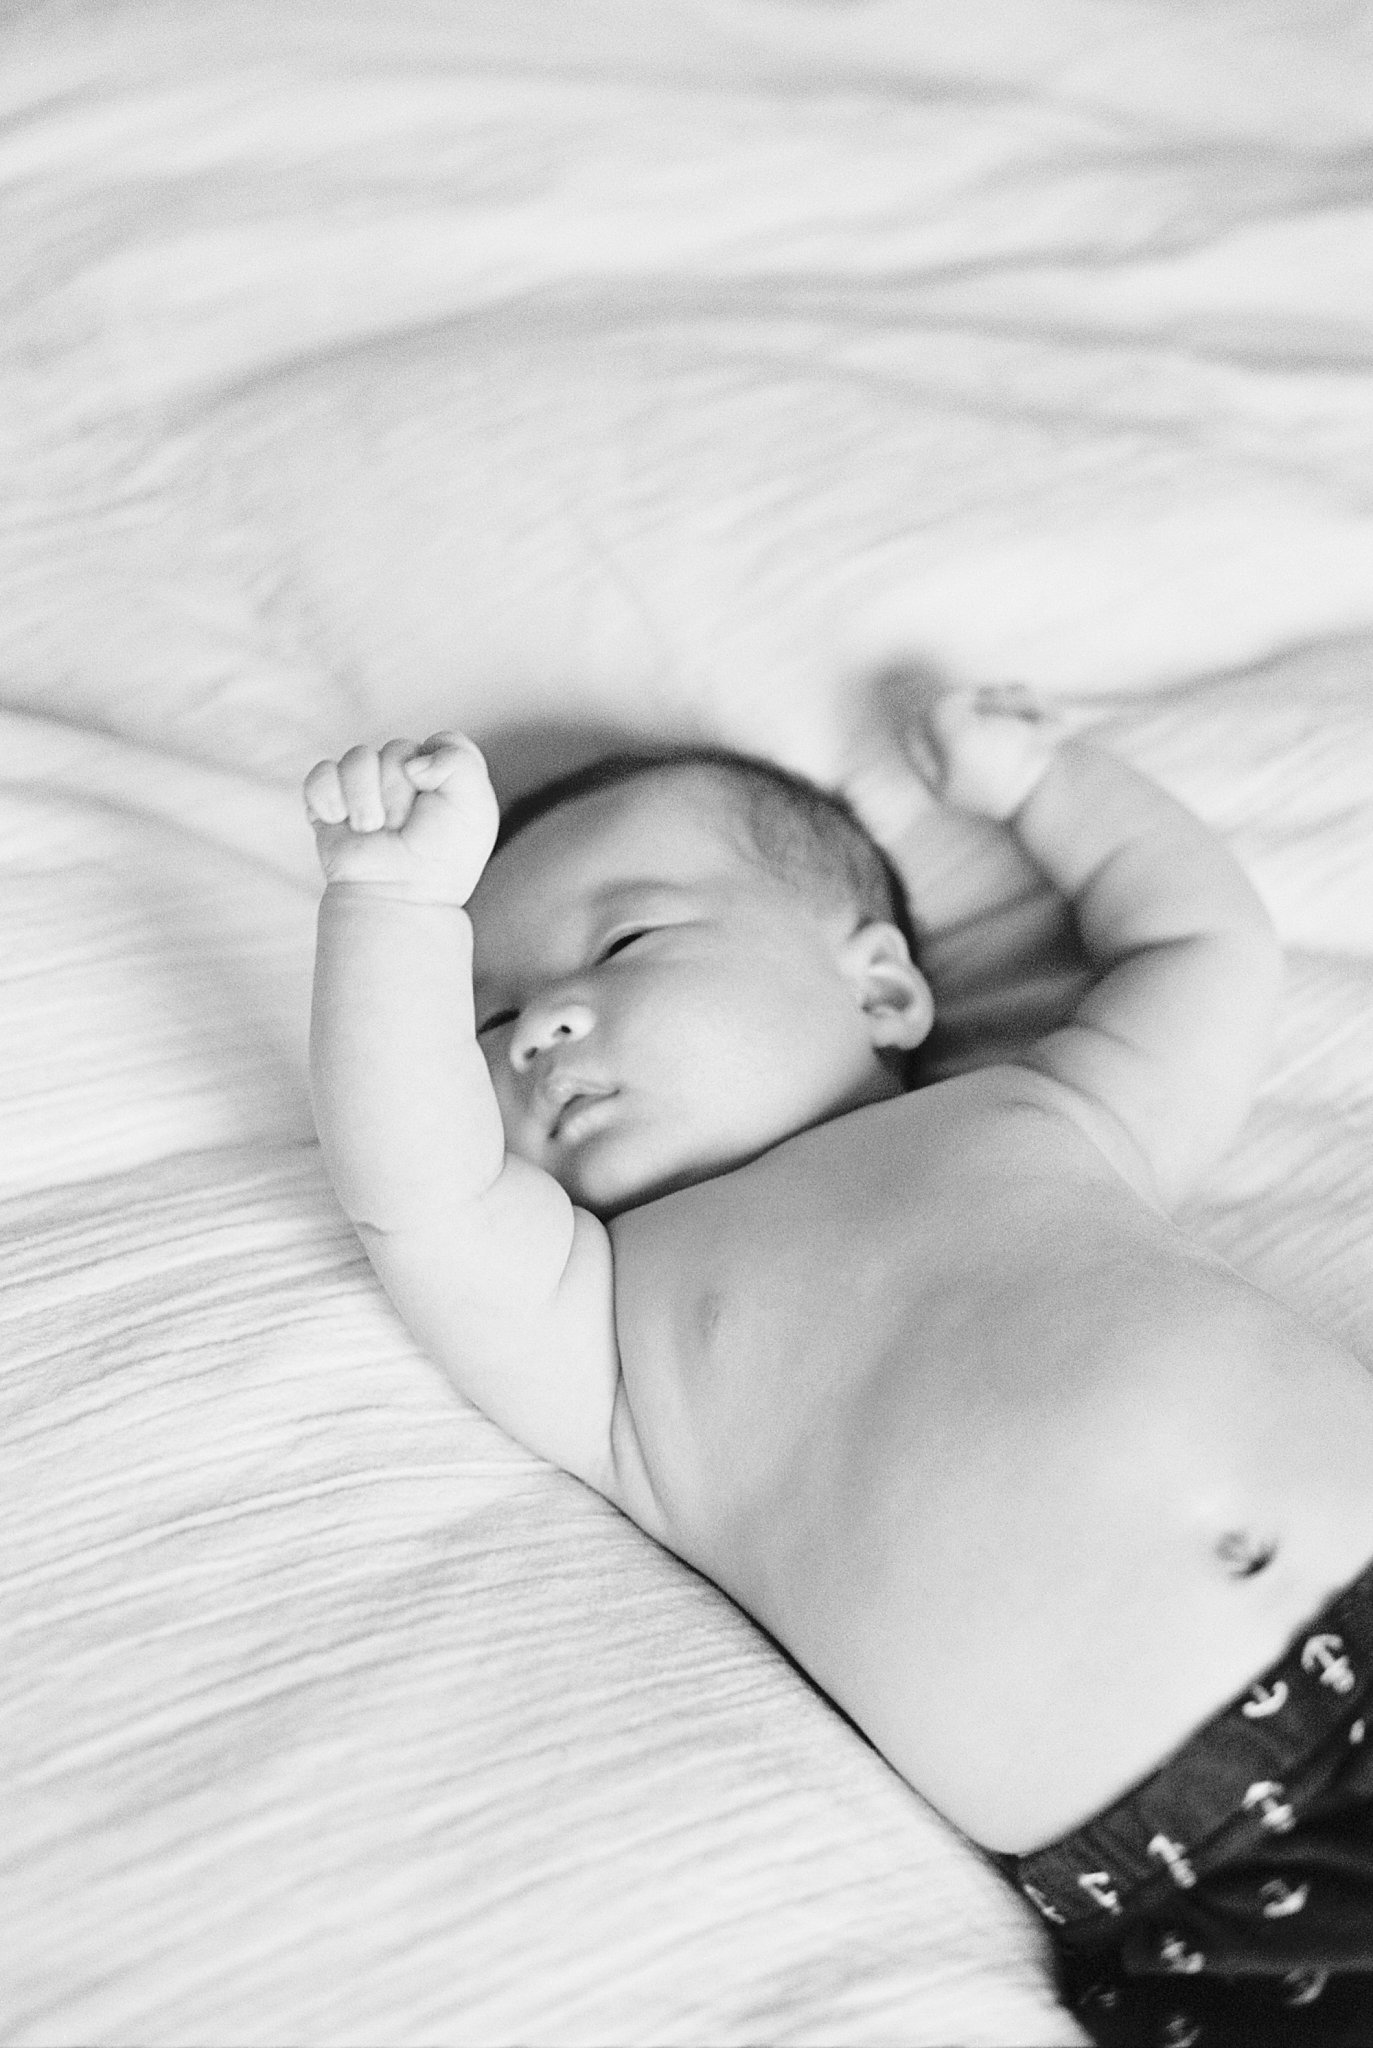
column 1029, row 1524
column 1028, row 1614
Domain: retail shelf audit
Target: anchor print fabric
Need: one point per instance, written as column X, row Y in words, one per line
column 1228, row 1899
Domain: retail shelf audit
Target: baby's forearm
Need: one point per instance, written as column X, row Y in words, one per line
column 406, row 1113
column 1139, row 869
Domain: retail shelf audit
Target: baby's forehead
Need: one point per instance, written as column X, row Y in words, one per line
column 664, row 825
column 671, row 832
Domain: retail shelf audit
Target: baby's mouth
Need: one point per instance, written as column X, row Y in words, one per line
column 580, row 1114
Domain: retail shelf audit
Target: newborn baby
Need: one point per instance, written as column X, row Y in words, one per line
column 1074, row 1522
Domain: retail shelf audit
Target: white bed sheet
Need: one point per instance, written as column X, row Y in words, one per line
column 568, row 372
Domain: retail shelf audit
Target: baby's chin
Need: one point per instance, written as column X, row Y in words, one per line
column 609, row 1185
column 608, row 1195
column 623, row 1167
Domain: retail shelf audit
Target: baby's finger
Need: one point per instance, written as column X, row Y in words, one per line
column 360, row 778
column 434, row 761
column 1014, row 700
column 908, row 697
column 324, row 799
column 397, row 791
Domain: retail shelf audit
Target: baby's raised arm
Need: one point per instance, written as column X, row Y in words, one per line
column 1165, row 1050
column 505, row 1284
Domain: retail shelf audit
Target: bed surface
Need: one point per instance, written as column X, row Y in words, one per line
column 565, row 376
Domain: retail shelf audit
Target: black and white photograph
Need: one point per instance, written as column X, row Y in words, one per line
column 686, row 1023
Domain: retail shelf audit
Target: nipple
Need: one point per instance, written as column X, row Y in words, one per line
column 1243, row 1554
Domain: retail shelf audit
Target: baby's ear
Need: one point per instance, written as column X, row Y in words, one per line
column 892, row 993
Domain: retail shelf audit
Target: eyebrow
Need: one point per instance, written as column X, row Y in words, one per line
column 642, row 889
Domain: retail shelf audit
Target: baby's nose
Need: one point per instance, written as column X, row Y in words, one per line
column 544, row 1025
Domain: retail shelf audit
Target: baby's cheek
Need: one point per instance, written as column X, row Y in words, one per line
column 511, row 1120
column 523, row 1138
column 498, row 1068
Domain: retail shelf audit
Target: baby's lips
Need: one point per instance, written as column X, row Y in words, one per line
column 559, row 1092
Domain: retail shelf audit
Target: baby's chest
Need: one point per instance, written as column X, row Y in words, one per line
column 867, row 1319
column 775, row 1348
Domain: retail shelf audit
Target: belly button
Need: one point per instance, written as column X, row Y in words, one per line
column 1243, row 1554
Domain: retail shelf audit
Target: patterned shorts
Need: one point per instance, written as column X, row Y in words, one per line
column 1228, row 1898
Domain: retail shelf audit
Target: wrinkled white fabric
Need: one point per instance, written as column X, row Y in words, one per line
column 561, row 372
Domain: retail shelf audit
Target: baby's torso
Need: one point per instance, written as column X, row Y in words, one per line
column 1028, row 1484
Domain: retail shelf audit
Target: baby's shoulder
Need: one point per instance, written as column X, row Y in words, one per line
column 1008, row 1097
column 1015, row 1115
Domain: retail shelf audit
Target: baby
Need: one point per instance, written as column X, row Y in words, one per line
column 1074, row 1522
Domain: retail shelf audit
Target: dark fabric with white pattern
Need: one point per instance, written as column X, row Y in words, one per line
column 1228, row 1898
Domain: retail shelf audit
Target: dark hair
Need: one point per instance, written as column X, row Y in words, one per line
column 808, row 836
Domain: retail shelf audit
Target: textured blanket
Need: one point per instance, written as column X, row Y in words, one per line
column 565, row 373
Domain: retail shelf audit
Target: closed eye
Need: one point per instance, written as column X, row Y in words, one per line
column 495, row 1020
column 618, row 944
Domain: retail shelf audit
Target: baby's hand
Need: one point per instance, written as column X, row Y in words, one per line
column 980, row 750
column 417, row 821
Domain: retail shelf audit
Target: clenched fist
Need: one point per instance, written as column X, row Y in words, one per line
column 407, row 820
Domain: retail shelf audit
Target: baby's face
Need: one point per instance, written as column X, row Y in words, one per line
column 655, row 1007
